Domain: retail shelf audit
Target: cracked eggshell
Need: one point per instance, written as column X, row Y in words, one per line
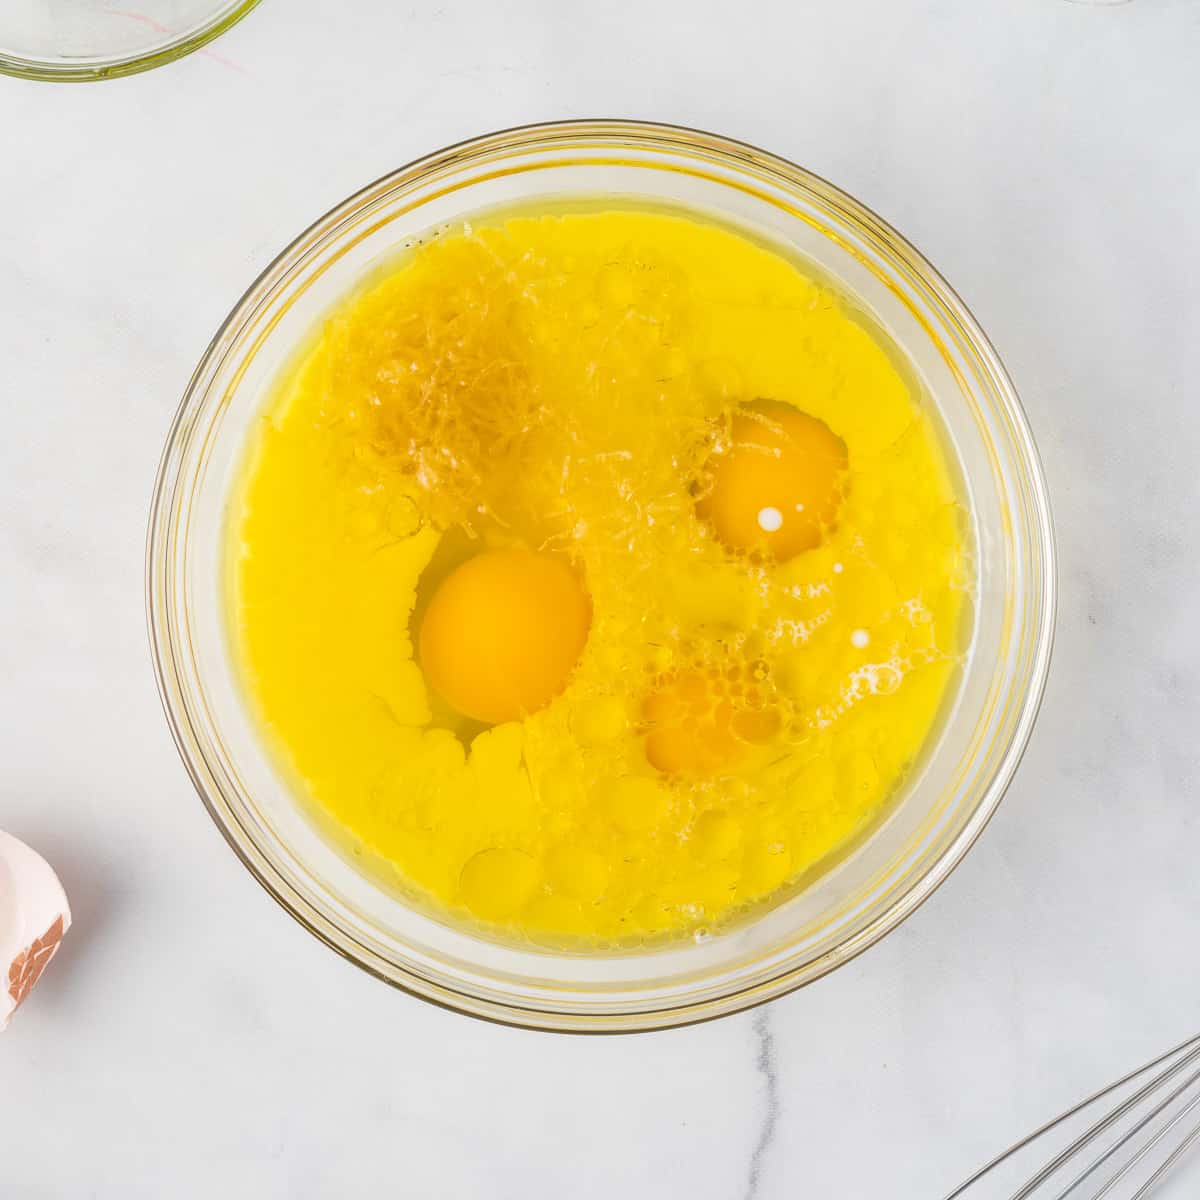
column 34, row 915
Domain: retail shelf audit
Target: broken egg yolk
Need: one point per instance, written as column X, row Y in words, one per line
column 775, row 490
column 701, row 722
column 515, row 586
column 503, row 633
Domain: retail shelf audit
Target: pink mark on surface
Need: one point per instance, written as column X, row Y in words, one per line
column 225, row 62
column 140, row 18
column 159, row 27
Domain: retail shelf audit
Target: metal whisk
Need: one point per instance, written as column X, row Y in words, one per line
column 1124, row 1154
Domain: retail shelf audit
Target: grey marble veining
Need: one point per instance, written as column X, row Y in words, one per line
column 769, row 1125
column 190, row 1040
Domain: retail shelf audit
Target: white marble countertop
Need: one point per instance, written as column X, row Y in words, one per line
column 191, row 1040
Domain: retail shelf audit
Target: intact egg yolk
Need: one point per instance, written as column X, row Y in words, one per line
column 775, row 491
column 503, row 633
column 698, row 724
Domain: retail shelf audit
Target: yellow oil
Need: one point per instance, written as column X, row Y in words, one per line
column 558, row 382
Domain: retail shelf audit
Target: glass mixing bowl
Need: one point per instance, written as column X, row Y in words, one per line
column 942, row 807
column 73, row 40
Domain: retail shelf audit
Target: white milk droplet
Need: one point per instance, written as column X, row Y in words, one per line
column 837, row 568
column 859, row 638
column 769, row 519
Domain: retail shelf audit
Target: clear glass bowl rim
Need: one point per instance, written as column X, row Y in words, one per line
column 89, row 70
column 1038, row 639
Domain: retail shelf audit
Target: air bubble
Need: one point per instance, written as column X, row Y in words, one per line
column 403, row 517
column 887, row 680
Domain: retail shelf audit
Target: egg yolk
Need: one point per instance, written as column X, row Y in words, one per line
column 700, row 722
column 775, row 491
column 503, row 633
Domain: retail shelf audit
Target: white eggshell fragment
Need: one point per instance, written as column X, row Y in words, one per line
column 33, row 918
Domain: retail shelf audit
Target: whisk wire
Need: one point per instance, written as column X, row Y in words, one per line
column 1105, row 1123
column 1145, row 1149
column 1167, row 1164
column 1173, row 1062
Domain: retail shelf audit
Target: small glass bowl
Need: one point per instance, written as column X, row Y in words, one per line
column 79, row 40
column 941, row 809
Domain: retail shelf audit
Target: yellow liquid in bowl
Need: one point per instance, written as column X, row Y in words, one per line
column 596, row 574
